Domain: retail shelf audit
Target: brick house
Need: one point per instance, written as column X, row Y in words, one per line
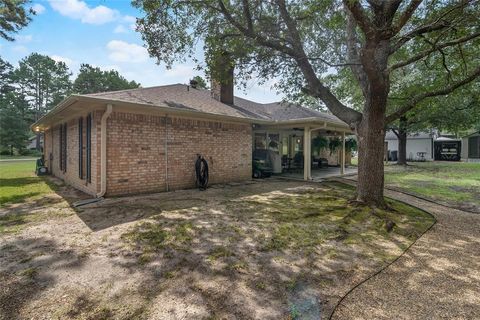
column 147, row 140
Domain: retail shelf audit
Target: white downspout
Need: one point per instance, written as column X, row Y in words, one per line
column 103, row 152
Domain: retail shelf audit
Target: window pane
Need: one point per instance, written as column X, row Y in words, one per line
column 274, row 142
column 260, row 141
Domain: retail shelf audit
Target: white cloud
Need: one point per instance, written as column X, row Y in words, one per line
column 121, row 51
column 129, row 19
column 69, row 62
column 38, row 8
column 120, row 29
column 111, row 67
column 180, row 71
column 79, row 10
column 20, row 49
column 24, row 39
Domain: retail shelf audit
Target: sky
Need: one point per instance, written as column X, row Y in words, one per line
column 102, row 33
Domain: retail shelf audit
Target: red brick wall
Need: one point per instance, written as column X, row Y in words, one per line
column 52, row 146
column 335, row 158
column 137, row 157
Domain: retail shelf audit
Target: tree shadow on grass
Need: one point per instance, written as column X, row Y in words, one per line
column 26, row 266
column 25, row 189
column 22, row 209
column 437, row 278
column 16, row 198
column 20, row 182
column 115, row 211
column 222, row 267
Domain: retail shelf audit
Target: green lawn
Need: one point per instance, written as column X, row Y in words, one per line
column 7, row 157
column 453, row 183
column 18, row 182
column 354, row 161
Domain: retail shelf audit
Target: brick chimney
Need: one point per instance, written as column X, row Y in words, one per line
column 222, row 79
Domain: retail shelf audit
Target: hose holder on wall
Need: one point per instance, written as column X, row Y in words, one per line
column 201, row 172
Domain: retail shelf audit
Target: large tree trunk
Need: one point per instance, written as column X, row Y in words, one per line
column 371, row 139
column 402, row 142
column 371, row 129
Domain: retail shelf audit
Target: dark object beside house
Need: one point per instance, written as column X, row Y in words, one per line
column 201, row 173
column 393, row 155
column 262, row 163
column 40, row 169
column 474, row 147
column 449, row 150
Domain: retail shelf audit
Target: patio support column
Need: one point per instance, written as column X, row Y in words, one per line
column 342, row 165
column 307, row 153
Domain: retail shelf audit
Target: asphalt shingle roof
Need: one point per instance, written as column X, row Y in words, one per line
column 181, row 96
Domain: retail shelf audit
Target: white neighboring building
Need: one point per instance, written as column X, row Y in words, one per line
column 418, row 144
column 32, row 142
column 471, row 147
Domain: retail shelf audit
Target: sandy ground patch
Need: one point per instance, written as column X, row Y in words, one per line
column 262, row 250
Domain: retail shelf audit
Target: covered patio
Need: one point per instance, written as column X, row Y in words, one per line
column 308, row 149
column 321, row 173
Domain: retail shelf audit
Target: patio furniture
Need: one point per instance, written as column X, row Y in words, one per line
column 298, row 160
column 262, row 163
column 421, row 156
column 322, row 163
column 319, row 162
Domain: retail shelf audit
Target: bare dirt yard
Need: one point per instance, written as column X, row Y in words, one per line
column 260, row 250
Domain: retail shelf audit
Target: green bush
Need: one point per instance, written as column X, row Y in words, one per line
column 319, row 143
column 28, row 152
column 334, row 144
column 351, row 145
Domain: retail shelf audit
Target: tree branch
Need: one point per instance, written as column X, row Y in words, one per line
column 417, row 32
column 394, row 130
column 352, row 50
column 433, row 49
column 438, row 24
column 248, row 15
column 417, row 99
column 277, row 45
column 330, row 64
column 315, row 86
column 360, row 17
column 406, row 15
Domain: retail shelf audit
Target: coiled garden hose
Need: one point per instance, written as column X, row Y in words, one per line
column 201, row 172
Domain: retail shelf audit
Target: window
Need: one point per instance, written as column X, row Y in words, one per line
column 63, row 148
column 274, row 142
column 297, row 144
column 260, row 141
column 80, row 148
column 88, row 150
column 60, row 148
